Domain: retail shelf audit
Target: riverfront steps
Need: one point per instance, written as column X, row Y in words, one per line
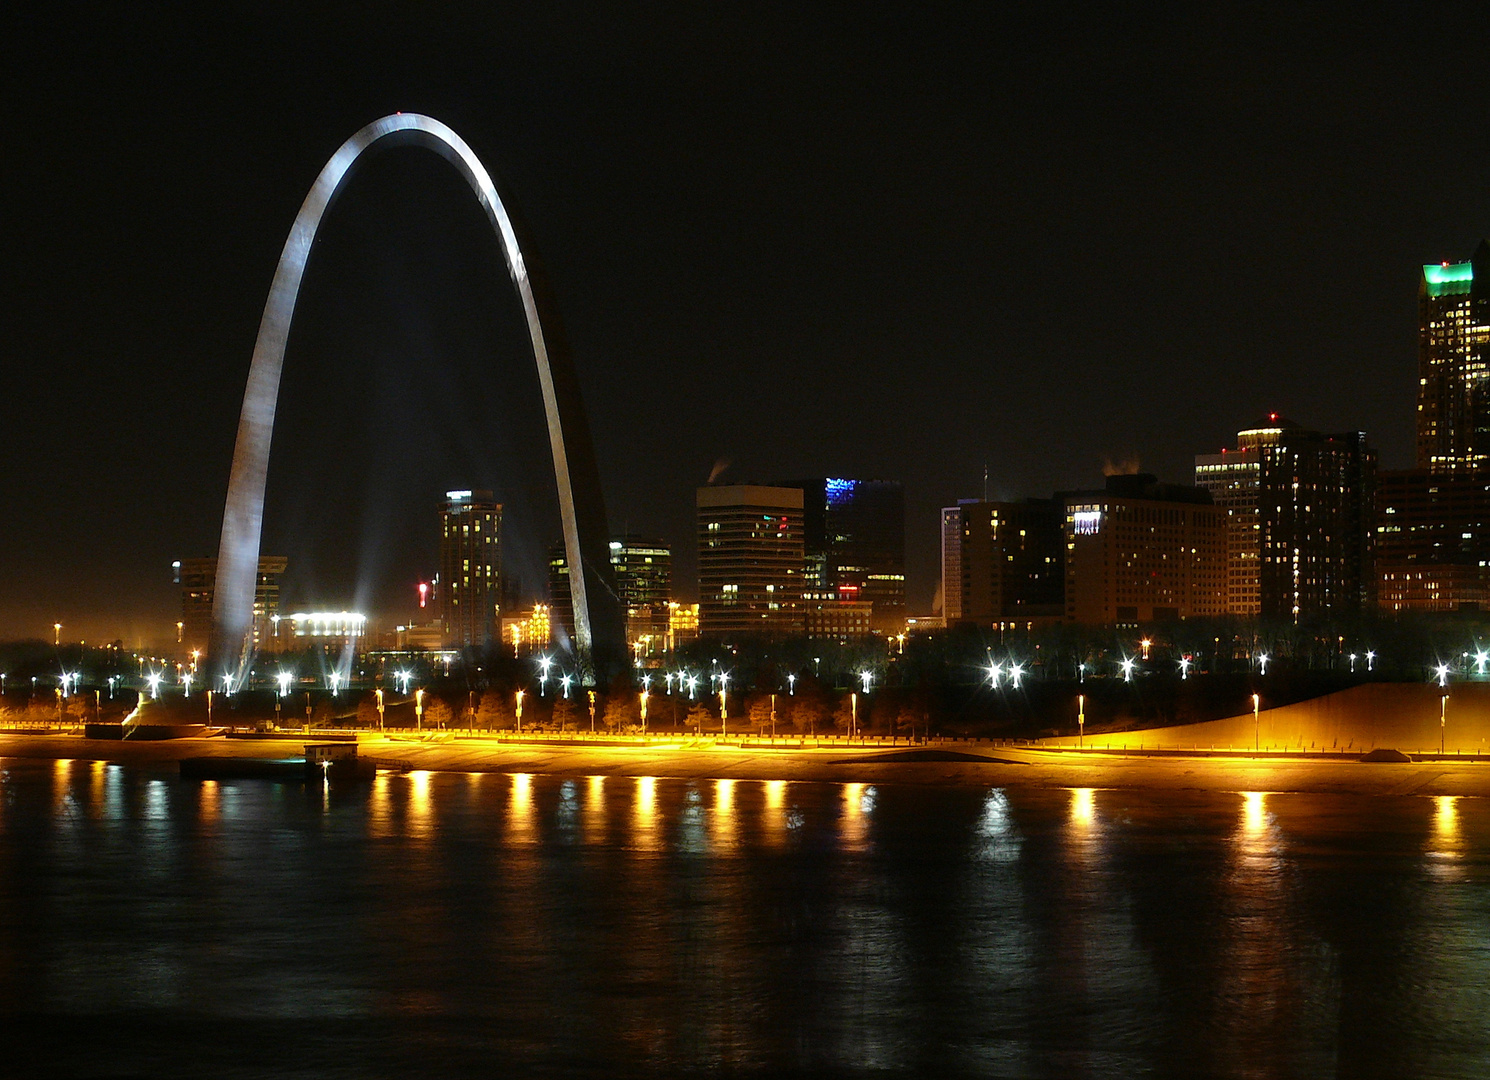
column 954, row 762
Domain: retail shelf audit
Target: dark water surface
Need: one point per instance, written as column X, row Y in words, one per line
column 451, row 924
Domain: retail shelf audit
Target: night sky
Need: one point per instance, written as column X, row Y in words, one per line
column 895, row 242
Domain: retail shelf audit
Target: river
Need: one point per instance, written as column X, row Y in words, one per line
column 488, row 924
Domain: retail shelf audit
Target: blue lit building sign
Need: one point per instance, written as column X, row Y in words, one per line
column 839, row 491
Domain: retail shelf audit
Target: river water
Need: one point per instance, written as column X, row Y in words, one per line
column 475, row 925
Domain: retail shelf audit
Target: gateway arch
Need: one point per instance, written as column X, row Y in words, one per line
column 598, row 629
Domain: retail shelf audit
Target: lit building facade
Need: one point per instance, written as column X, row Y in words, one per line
column 1300, row 515
column 1003, row 562
column 470, row 567
column 1453, row 354
column 1433, row 540
column 198, row 581
column 1140, row 551
column 750, row 560
column 853, row 542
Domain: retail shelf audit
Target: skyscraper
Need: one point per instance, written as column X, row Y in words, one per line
column 1141, row 551
column 1003, row 561
column 1300, row 521
column 198, row 581
column 750, row 560
column 471, row 567
column 853, row 543
column 1453, row 354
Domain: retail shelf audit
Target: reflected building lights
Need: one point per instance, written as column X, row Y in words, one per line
column 594, row 813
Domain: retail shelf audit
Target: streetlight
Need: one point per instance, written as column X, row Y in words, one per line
column 1370, row 660
column 644, row 696
column 1015, row 671
column 791, row 685
column 1262, row 660
column 520, row 695
column 378, row 696
column 56, row 633
column 865, row 677
column 1442, row 671
column 564, row 682
column 1145, row 645
column 1352, row 663
column 1443, row 719
column 1184, row 668
column 994, row 671
column 186, row 683
column 544, row 663
column 723, row 705
column 1479, row 661
column 1081, row 673
column 154, row 680
column 335, row 680
column 1127, row 666
column 1256, row 723
column 419, row 709
column 1080, row 719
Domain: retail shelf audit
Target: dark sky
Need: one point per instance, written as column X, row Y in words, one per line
column 893, row 242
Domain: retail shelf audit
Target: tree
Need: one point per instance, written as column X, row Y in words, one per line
column 438, row 713
column 494, row 711
column 565, row 714
column 698, row 716
column 759, row 712
column 622, row 710
column 843, row 713
column 367, row 712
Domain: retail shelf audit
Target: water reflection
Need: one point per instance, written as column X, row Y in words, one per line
column 419, row 814
column 522, row 826
column 724, row 814
column 380, row 806
column 644, row 814
column 858, row 805
column 1083, row 809
column 1019, row 931
column 209, row 801
column 594, row 819
column 773, row 818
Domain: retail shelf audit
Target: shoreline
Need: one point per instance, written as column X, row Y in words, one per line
column 949, row 764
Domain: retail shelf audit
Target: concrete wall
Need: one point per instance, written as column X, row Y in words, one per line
column 1398, row 715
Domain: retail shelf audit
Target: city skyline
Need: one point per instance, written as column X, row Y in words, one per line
column 1036, row 300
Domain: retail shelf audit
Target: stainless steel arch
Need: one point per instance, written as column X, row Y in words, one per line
column 597, row 622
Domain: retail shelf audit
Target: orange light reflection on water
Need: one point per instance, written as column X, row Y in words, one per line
column 1083, row 807
column 520, row 824
column 724, row 813
column 644, row 831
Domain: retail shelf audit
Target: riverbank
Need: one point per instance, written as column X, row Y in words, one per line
column 950, row 763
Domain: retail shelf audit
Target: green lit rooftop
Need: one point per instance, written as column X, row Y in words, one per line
column 1448, row 279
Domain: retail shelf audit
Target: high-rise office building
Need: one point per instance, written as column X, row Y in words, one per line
column 1300, row 514
column 643, row 570
column 198, row 581
column 750, row 560
column 1003, row 562
column 471, row 567
column 1141, row 551
column 1433, row 540
column 1454, row 365
column 643, row 573
column 853, row 542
